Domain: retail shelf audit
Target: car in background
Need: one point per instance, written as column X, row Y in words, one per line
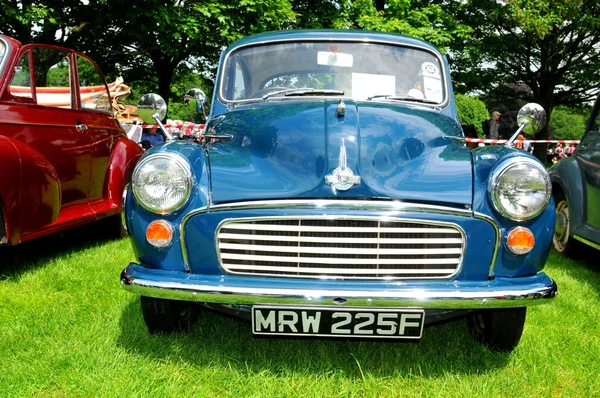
column 65, row 159
column 333, row 195
column 576, row 190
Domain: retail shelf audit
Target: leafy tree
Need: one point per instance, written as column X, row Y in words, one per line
column 549, row 45
column 471, row 111
column 567, row 124
column 149, row 39
column 420, row 19
column 46, row 21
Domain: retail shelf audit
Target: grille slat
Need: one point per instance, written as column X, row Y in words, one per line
column 362, row 248
column 398, row 241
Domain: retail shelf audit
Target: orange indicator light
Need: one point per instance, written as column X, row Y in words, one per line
column 159, row 233
column 520, row 240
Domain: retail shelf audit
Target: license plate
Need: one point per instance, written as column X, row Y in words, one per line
column 338, row 322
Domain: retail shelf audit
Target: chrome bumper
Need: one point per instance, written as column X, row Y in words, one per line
column 497, row 293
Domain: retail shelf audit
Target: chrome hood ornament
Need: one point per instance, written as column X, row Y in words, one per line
column 342, row 178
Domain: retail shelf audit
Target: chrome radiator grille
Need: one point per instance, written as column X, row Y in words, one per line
column 340, row 248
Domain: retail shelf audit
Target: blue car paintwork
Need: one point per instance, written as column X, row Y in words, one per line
column 284, row 150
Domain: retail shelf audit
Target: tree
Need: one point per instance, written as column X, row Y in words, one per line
column 416, row 18
column 549, row 45
column 149, row 39
column 567, row 124
column 471, row 111
column 47, row 21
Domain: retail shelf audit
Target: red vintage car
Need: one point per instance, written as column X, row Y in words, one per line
column 65, row 160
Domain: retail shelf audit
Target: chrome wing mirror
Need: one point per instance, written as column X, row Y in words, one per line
column 531, row 119
column 152, row 108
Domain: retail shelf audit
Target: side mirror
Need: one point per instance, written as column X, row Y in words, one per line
column 531, row 119
column 533, row 116
column 152, row 108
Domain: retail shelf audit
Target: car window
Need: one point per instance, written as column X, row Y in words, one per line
column 93, row 92
column 20, row 85
column 361, row 70
column 596, row 122
column 52, row 73
column 2, row 55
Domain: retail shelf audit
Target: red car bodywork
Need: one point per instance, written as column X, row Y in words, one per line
column 60, row 167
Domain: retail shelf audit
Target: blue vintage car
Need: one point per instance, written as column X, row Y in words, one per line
column 576, row 190
column 333, row 195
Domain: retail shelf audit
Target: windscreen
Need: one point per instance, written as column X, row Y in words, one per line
column 360, row 70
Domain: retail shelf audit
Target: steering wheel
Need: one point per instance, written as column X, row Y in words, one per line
column 268, row 90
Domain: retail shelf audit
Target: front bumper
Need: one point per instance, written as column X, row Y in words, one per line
column 448, row 295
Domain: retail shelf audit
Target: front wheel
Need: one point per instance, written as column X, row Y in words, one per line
column 167, row 316
column 499, row 330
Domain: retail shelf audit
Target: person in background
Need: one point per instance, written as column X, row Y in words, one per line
column 519, row 141
column 490, row 127
column 151, row 137
column 559, row 152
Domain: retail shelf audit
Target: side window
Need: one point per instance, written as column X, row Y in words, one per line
column 92, row 88
column 239, row 90
column 596, row 122
column 51, row 69
column 20, row 86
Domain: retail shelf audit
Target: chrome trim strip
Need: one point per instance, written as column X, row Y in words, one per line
column 587, row 242
column 184, row 253
column 436, row 54
column 450, row 298
column 490, row 220
column 345, row 217
column 326, row 204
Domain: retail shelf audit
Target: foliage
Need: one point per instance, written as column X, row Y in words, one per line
column 68, row 330
column 567, row 124
column 471, row 111
column 419, row 19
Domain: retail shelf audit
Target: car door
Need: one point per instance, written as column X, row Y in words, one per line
column 46, row 120
column 101, row 127
column 588, row 157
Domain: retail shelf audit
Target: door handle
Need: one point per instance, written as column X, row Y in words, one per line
column 82, row 128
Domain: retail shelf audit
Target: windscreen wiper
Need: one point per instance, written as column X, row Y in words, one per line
column 297, row 92
column 402, row 98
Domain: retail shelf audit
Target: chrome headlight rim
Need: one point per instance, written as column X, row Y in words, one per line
column 189, row 181
column 504, row 166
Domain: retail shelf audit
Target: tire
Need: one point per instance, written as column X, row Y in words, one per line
column 499, row 330
column 562, row 241
column 167, row 316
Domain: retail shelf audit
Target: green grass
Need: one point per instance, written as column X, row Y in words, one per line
column 67, row 329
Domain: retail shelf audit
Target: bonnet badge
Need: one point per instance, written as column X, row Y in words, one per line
column 342, row 178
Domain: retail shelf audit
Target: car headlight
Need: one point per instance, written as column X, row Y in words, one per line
column 520, row 189
column 162, row 183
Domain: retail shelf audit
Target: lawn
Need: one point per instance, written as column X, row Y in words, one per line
column 67, row 329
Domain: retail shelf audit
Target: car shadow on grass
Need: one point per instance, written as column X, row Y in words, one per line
column 16, row 260
column 227, row 343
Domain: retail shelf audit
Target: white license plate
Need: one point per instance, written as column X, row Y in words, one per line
column 338, row 322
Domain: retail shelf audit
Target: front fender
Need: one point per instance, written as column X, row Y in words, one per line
column 123, row 159
column 29, row 188
column 508, row 264
column 567, row 176
column 139, row 218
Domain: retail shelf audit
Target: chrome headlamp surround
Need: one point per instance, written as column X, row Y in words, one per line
column 186, row 172
column 495, row 187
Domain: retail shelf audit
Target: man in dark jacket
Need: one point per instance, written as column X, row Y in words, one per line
column 490, row 127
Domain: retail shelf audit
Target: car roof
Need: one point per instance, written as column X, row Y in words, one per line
column 333, row 35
